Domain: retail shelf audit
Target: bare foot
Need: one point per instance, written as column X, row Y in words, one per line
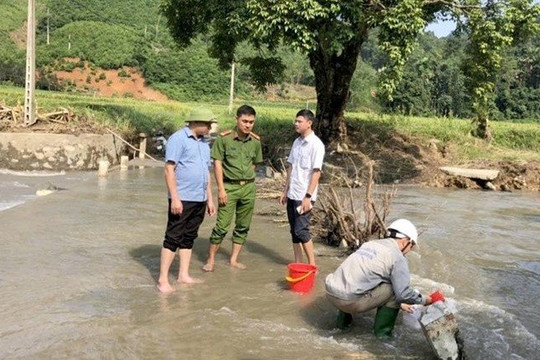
column 208, row 267
column 164, row 288
column 238, row 265
column 189, row 280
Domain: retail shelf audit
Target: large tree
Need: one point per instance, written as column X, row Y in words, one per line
column 329, row 32
column 492, row 28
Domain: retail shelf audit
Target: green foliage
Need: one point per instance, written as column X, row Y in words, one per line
column 135, row 13
column 264, row 70
column 12, row 65
column 297, row 70
column 363, row 89
column 275, row 123
column 491, row 30
column 107, row 46
column 330, row 32
column 13, row 16
column 123, row 73
column 433, row 83
column 187, row 74
column 281, row 39
column 12, row 58
column 399, row 26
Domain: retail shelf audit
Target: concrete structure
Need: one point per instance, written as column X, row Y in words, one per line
column 40, row 151
column 480, row 174
column 439, row 325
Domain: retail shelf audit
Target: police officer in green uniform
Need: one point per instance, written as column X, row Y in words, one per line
column 235, row 154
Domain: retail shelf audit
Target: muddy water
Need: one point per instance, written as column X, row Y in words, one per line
column 77, row 273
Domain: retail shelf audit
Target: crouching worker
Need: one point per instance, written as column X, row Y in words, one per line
column 377, row 276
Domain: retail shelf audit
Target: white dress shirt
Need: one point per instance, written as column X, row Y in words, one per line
column 306, row 155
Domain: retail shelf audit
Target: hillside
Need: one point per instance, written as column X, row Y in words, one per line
column 131, row 34
column 124, row 82
column 120, row 34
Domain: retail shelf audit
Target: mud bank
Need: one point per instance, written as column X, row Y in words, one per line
column 402, row 159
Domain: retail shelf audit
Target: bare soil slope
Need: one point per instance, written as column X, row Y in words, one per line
column 125, row 82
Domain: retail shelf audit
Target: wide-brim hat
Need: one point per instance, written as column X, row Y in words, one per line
column 201, row 115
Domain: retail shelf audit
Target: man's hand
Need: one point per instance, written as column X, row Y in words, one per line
column 222, row 197
column 210, row 207
column 306, row 205
column 283, row 198
column 176, row 207
column 407, row 308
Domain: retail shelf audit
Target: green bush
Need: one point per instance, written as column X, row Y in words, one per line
column 188, row 74
column 123, row 74
column 107, row 46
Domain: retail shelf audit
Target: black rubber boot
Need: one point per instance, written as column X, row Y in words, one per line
column 385, row 321
column 344, row 320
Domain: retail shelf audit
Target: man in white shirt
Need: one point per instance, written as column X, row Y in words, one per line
column 303, row 173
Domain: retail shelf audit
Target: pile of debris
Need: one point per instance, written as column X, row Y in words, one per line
column 62, row 121
column 340, row 222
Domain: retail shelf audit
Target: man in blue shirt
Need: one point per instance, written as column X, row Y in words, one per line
column 187, row 177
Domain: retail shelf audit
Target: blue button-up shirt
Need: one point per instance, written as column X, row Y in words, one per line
column 192, row 159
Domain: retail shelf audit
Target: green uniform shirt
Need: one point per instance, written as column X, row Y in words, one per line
column 237, row 156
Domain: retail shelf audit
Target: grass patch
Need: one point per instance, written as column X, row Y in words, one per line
column 512, row 141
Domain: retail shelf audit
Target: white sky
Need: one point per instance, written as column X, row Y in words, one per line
column 441, row 28
column 444, row 28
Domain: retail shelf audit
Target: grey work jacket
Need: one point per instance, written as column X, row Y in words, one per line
column 375, row 262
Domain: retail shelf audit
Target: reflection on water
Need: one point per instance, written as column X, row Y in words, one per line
column 78, row 267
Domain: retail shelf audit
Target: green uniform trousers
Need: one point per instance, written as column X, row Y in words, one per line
column 240, row 202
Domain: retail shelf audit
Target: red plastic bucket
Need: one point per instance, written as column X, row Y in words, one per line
column 301, row 277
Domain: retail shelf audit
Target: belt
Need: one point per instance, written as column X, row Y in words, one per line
column 239, row 182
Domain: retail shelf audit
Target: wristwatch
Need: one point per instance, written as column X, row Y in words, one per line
column 308, row 195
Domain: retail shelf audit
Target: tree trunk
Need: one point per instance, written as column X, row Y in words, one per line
column 481, row 120
column 333, row 74
column 482, row 130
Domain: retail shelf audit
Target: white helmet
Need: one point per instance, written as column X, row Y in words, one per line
column 406, row 228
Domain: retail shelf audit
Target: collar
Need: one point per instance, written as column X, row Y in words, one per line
column 236, row 137
column 308, row 138
column 190, row 134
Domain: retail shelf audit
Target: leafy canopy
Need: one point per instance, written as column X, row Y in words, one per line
column 304, row 25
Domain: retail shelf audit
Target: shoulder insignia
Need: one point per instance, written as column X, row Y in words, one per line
column 255, row 136
column 225, row 133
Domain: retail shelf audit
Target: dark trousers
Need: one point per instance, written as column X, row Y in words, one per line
column 299, row 224
column 182, row 229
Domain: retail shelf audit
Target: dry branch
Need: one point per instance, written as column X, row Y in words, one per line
column 336, row 222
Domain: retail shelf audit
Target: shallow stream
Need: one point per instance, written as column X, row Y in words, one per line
column 78, row 268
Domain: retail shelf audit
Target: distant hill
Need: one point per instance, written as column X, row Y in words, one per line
column 131, row 37
column 12, row 58
column 126, row 35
